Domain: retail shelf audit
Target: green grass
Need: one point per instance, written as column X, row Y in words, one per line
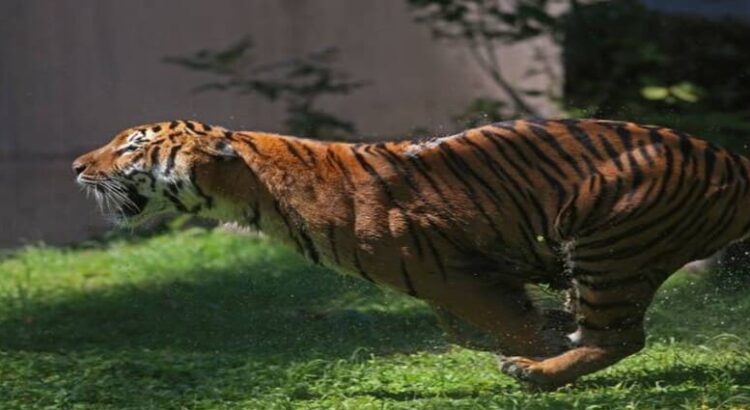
column 208, row 320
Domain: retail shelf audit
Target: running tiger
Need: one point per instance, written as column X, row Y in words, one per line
column 603, row 210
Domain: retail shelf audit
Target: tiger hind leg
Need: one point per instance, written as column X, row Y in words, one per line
column 610, row 312
column 566, row 368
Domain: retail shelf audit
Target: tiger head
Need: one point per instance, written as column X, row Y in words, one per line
column 178, row 166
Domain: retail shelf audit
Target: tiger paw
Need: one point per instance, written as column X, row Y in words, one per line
column 527, row 371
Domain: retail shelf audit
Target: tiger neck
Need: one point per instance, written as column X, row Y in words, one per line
column 296, row 194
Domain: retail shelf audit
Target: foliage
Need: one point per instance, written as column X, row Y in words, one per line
column 623, row 60
column 299, row 83
column 207, row 320
column 684, row 92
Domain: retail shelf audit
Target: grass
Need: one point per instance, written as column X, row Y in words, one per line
column 208, row 320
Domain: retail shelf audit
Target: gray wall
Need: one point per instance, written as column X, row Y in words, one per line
column 72, row 73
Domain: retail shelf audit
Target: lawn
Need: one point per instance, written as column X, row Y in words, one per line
column 209, row 320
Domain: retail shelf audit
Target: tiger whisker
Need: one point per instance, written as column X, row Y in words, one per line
column 118, row 191
column 110, row 195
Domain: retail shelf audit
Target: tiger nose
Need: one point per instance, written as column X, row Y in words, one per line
column 79, row 165
column 79, row 168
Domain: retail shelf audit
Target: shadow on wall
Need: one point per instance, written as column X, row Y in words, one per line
column 70, row 82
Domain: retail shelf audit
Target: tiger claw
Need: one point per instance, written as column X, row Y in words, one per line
column 512, row 367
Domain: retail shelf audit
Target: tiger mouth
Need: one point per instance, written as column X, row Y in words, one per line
column 121, row 200
column 136, row 204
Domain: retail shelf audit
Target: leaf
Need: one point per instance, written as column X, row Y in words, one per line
column 655, row 93
column 685, row 91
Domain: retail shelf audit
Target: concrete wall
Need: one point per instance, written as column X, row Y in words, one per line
column 72, row 73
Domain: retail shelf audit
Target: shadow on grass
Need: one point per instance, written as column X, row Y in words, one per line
column 290, row 314
column 260, row 308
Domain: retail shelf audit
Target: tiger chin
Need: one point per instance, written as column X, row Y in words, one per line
column 604, row 211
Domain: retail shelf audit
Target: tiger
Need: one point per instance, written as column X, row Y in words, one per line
column 604, row 211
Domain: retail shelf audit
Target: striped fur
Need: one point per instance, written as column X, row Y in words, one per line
column 604, row 210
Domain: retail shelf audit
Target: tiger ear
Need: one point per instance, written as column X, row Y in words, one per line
column 219, row 148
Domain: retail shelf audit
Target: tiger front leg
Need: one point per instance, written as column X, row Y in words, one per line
column 462, row 333
column 557, row 323
column 504, row 313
